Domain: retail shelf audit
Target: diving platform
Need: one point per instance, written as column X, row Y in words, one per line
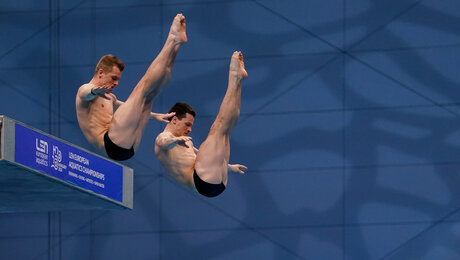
column 40, row 172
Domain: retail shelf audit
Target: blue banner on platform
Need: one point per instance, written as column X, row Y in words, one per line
column 68, row 163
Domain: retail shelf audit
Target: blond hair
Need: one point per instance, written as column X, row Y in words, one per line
column 107, row 62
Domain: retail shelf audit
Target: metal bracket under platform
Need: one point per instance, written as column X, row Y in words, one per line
column 40, row 172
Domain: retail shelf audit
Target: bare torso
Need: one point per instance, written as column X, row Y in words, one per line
column 179, row 161
column 94, row 117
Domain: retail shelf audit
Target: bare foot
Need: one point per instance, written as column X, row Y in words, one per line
column 237, row 66
column 177, row 31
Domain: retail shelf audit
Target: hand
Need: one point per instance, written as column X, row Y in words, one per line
column 237, row 168
column 162, row 117
column 182, row 140
column 101, row 91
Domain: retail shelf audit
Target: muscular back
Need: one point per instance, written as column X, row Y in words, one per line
column 94, row 116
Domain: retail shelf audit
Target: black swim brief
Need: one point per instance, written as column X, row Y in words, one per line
column 207, row 189
column 116, row 152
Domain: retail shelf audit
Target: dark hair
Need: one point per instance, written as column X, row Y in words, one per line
column 181, row 110
column 107, row 62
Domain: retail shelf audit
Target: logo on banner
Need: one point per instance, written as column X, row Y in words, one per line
column 41, row 152
column 57, row 159
column 41, row 146
column 67, row 163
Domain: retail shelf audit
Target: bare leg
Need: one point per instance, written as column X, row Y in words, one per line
column 214, row 153
column 130, row 119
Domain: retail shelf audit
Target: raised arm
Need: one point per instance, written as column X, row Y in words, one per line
column 167, row 140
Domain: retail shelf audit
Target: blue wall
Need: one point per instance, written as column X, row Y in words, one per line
column 349, row 126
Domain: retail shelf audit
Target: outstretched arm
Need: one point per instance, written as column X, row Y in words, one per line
column 237, row 168
column 158, row 116
column 162, row 117
column 167, row 140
